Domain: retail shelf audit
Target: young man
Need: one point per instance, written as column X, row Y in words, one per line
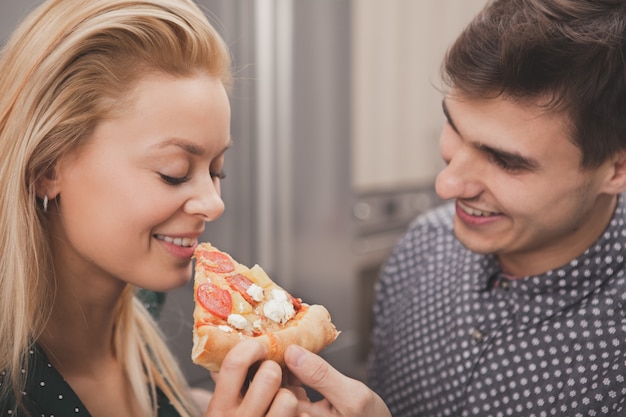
column 509, row 301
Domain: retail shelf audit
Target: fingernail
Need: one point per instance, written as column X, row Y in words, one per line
column 295, row 355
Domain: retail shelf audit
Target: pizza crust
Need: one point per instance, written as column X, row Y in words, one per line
column 311, row 328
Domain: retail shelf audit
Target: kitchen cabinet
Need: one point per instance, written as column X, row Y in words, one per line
column 397, row 50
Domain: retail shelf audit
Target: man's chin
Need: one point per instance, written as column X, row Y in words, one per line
column 473, row 245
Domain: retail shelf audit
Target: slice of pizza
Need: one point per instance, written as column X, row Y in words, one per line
column 233, row 302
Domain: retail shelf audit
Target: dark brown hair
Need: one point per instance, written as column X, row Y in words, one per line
column 570, row 52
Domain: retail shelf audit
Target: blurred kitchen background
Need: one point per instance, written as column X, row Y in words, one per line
column 336, row 117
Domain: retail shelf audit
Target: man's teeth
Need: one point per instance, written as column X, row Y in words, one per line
column 179, row 241
column 477, row 213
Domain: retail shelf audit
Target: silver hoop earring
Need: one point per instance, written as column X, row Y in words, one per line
column 45, row 203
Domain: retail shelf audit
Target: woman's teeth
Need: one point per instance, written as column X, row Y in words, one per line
column 474, row 212
column 179, row 241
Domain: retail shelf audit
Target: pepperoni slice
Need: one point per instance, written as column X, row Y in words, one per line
column 297, row 302
column 215, row 261
column 215, row 300
column 241, row 283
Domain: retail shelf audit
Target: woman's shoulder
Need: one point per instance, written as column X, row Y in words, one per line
column 45, row 391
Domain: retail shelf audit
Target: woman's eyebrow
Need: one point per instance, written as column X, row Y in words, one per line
column 189, row 147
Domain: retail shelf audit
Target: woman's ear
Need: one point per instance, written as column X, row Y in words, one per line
column 48, row 185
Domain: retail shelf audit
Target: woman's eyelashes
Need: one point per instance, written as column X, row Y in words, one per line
column 220, row 175
column 172, row 180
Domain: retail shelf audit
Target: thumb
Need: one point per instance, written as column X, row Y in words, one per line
column 343, row 396
column 316, row 373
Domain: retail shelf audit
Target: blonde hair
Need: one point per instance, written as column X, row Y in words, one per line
column 66, row 67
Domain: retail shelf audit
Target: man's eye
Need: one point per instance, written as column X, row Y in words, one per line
column 504, row 164
column 174, row 180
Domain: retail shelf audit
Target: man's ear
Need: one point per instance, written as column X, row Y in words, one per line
column 616, row 183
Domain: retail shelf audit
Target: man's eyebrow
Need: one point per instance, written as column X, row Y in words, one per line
column 448, row 117
column 512, row 158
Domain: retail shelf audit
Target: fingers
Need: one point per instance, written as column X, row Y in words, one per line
column 265, row 384
column 232, row 375
column 285, row 404
column 235, row 395
column 314, row 372
column 343, row 396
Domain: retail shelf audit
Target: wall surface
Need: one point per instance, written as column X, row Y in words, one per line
column 397, row 50
column 11, row 13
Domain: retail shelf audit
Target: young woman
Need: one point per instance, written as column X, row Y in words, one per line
column 114, row 120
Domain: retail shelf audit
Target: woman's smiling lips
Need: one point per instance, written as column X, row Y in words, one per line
column 181, row 247
column 475, row 217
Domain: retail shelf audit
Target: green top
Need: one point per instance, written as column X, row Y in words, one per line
column 153, row 301
column 48, row 394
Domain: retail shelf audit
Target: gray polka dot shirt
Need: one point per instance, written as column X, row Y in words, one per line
column 454, row 337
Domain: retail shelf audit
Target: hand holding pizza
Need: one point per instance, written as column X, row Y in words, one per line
column 263, row 397
column 343, row 396
column 243, row 318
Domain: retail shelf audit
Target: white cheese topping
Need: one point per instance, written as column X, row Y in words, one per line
column 279, row 308
column 238, row 321
column 255, row 292
column 225, row 329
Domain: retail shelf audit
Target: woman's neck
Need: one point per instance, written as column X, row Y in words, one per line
column 79, row 331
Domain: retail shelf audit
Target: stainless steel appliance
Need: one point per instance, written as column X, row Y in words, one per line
column 288, row 189
column 381, row 218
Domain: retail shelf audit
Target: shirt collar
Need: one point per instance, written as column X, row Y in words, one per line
column 574, row 280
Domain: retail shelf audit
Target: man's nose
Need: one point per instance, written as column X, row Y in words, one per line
column 461, row 178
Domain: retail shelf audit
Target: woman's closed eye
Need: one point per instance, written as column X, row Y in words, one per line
column 171, row 180
column 220, row 175
column 174, row 180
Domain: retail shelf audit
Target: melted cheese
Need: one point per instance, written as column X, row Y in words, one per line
column 279, row 309
column 255, row 292
column 238, row 321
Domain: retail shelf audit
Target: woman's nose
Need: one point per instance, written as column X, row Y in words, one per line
column 206, row 200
